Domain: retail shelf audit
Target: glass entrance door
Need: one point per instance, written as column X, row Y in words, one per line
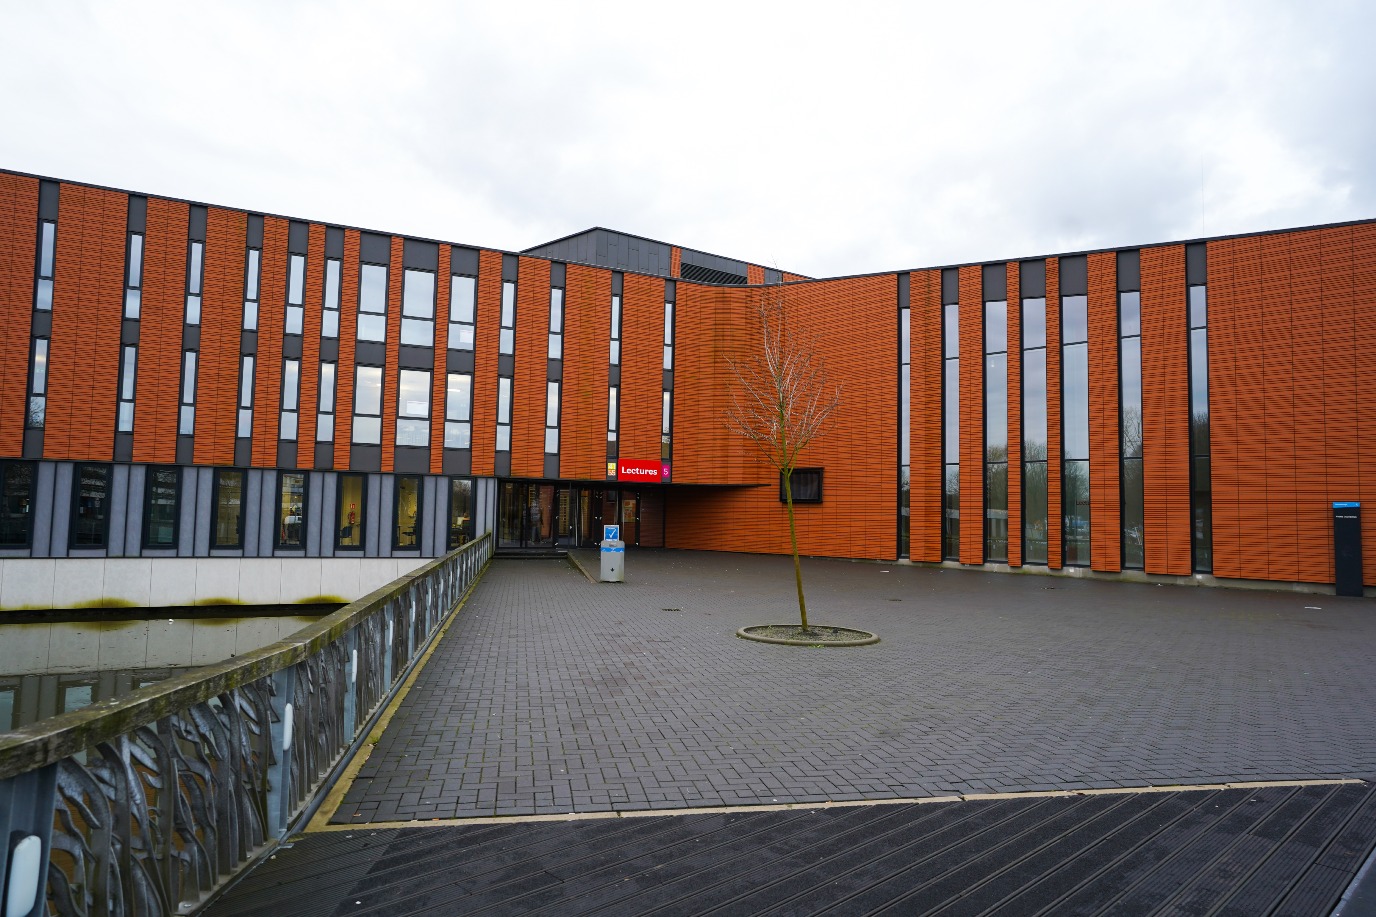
column 525, row 515
column 630, row 517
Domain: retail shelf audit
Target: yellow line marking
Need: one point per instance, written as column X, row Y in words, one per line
column 804, row 806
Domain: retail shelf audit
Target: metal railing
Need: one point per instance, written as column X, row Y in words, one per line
column 145, row 804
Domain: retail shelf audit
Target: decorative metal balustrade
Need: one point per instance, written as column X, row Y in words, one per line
column 145, row 804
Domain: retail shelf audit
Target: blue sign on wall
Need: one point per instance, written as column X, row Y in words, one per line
column 611, row 533
column 1346, row 505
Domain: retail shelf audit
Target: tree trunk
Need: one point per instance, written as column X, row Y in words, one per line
column 793, row 534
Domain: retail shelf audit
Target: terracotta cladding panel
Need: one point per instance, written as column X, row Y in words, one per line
column 390, row 372
column 587, row 342
column 1105, row 512
column 754, row 274
column 18, row 257
column 856, row 517
column 675, row 260
column 83, row 363
column 443, row 283
column 652, row 519
column 532, row 369
column 1314, row 559
column 310, row 346
column 1362, row 294
column 267, row 369
column 925, row 486
column 971, row 415
column 1165, row 411
column 1277, row 408
column 1014, row 417
column 348, row 331
column 642, row 366
column 1053, row 414
column 487, row 339
column 161, row 315
column 222, row 304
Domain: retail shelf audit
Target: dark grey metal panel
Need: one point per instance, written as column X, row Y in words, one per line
column 458, row 461
column 315, row 492
column 48, row 192
column 376, row 484
column 324, row 455
column 191, row 337
column 334, row 242
column 329, row 349
column 904, row 283
column 773, row 275
column 62, row 510
column 1074, row 276
column 375, row 248
column 424, row 256
column 459, row 361
column 995, row 282
column 670, row 291
column 129, row 331
column 329, row 498
column 1032, row 279
column 298, row 235
column 411, row 357
column 510, row 267
column 551, row 466
column 1129, row 271
column 42, row 324
column 205, row 511
column 253, row 486
column 128, row 489
column 286, row 453
column 667, row 380
column 411, row 459
column 1196, row 264
column 617, row 282
column 186, row 512
column 614, row 374
column 33, row 444
column 464, row 261
column 558, row 274
column 124, row 447
column 690, row 256
column 506, row 364
column 267, row 516
column 370, row 353
column 291, row 346
column 502, row 465
column 43, row 509
column 196, row 223
column 950, row 285
column 365, row 458
column 186, row 450
column 248, row 341
column 243, row 452
column 255, row 231
column 554, row 370
column 137, row 220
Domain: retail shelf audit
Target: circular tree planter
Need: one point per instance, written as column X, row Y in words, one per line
column 817, row 635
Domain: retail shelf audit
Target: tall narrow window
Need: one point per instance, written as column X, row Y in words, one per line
column 666, row 418
column 460, row 512
column 556, row 324
column 129, row 360
column 1034, row 436
column 133, row 276
column 296, row 294
column 160, row 491
column 229, row 509
column 90, row 506
column 245, row 425
column 666, row 441
column 186, row 411
column 195, row 274
column 372, row 303
column 1201, row 490
column 251, row 277
column 905, row 359
column 458, row 405
column 324, row 418
column 38, row 384
column 669, row 335
column 950, row 517
column 16, row 504
column 47, row 243
column 551, row 418
column 996, row 431
column 291, row 516
column 615, row 356
column 329, row 316
column 462, row 311
column 413, row 408
column 508, row 333
column 613, row 413
column 352, row 503
column 503, row 414
column 1130, row 426
column 367, row 425
column 418, row 308
column 406, row 526
column 1075, row 420
column 291, row 397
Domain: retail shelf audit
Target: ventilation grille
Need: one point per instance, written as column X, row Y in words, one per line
column 708, row 275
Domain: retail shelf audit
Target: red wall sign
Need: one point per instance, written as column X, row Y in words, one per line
column 642, row 471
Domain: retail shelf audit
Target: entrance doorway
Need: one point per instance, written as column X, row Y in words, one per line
column 531, row 514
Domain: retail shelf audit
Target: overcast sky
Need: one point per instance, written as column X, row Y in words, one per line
column 827, row 138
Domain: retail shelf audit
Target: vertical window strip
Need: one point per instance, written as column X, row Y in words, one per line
column 38, row 385
column 666, row 439
column 508, row 331
column 324, row 417
column 329, row 318
column 462, row 311
column 996, row 431
column 551, row 418
column 1075, row 429
column 950, row 519
column 245, row 421
column 296, row 294
column 418, row 308
column 905, row 363
column 252, row 275
column 195, row 276
column 1201, row 488
column 1130, row 425
column 372, row 302
column 186, row 411
column 367, row 424
column 458, row 408
column 291, row 395
column 615, row 356
column 129, row 358
column 133, row 276
column 503, row 413
column 613, row 412
column 413, row 408
column 1034, row 432
column 556, row 323
column 47, row 245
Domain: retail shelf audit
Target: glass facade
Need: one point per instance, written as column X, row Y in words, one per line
column 460, row 512
column 1034, row 437
column 291, row 516
column 905, row 360
column 996, row 431
column 351, row 504
column 950, row 420
column 90, row 506
column 229, row 509
column 1075, row 429
column 160, row 491
column 16, row 504
column 1130, row 428
column 406, row 526
column 1201, row 489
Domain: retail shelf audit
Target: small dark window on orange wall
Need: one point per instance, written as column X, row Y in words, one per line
column 806, row 484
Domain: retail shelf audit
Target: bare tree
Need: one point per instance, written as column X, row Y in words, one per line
column 781, row 401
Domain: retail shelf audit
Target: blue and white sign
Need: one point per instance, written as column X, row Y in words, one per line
column 1337, row 505
column 611, row 533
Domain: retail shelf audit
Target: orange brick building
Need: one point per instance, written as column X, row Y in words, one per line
column 203, row 382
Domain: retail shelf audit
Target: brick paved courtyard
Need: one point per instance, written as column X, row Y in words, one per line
column 552, row 694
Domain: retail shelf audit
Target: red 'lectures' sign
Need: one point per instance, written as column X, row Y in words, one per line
column 642, row 471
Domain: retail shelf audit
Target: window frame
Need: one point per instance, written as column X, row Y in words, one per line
column 449, row 511
column 133, row 285
column 298, row 316
column 6, row 466
column 467, row 419
column 406, row 418
column 419, row 528
column 412, row 321
column 362, row 522
column 277, row 543
column 295, row 405
column 361, row 311
column 194, row 290
column 75, row 500
column 320, row 391
column 357, row 414
column 149, row 473
column 328, row 309
column 821, row 491
column 39, row 277
column 216, row 484
column 472, row 323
